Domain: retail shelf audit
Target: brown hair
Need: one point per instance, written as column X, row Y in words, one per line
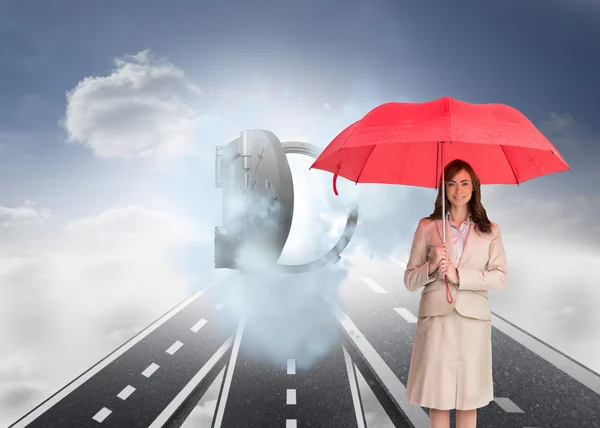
column 478, row 213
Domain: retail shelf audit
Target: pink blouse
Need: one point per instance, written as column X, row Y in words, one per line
column 459, row 236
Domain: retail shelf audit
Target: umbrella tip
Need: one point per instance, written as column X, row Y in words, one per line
column 335, row 176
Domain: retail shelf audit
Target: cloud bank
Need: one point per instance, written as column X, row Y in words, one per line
column 68, row 302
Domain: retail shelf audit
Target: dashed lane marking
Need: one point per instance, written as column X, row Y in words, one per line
column 84, row 377
column 102, row 414
column 150, row 370
column 174, row 347
column 406, row 314
column 399, row 262
column 507, row 405
column 198, row 325
column 374, row 286
column 127, row 391
column 290, row 399
column 192, row 385
column 291, row 366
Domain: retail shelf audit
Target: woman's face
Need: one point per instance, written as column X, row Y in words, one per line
column 459, row 189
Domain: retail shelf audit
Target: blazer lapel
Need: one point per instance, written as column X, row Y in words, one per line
column 449, row 243
column 468, row 245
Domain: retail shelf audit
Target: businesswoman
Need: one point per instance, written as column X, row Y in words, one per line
column 451, row 363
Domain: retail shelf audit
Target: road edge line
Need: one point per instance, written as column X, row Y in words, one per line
column 45, row 405
column 563, row 362
column 220, row 413
column 386, row 377
column 354, row 390
column 188, row 389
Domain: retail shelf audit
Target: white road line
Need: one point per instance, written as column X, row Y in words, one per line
column 291, row 423
column 220, row 306
column 127, row 391
column 183, row 395
column 507, row 405
column 374, row 286
column 43, row 407
column 406, row 314
column 150, row 370
column 358, row 410
column 102, row 414
column 174, row 347
column 291, row 366
column 576, row 370
column 290, row 398
column 198, row 325
column 229, row 376
column 399, row 262
column 385, row 375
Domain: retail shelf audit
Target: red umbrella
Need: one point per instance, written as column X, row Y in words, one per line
column 411, row 143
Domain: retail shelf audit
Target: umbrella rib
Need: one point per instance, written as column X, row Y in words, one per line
column 365, row 164
column 437, row 162
column 510, row 165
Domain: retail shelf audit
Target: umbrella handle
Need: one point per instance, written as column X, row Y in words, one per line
column 448, row 294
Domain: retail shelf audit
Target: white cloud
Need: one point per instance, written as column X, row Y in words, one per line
column 552, row 287
column 16, row 364
column 65, row 304
column 553, row 249
column 568, row 219
column 141, row 109
column 130, row 224
column 558, row 123
column 26, row 213
column 11, row 264
column 20, row 395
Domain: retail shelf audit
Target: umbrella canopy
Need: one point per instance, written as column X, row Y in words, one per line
column 400, row 143
column 411, row 143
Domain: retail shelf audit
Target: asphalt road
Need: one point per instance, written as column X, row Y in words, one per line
column 290, row 392
column 151, row 378
column 529, row 390
column 137, row 387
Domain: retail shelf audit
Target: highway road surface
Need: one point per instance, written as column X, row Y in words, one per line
column 161, row 377
column 140, row 384
column 534, row 384
column 286, row 394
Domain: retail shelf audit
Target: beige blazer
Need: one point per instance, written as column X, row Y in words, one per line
column 482, row 267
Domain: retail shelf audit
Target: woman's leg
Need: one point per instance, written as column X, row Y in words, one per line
column 466, row 418
column 439, row 418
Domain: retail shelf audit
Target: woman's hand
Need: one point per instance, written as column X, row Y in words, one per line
column 448, row 269
column 437, row 254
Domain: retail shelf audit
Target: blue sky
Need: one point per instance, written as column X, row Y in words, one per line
column 137, row 189
column 539, row 57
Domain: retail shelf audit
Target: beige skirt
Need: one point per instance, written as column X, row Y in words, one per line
column 451, row 363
